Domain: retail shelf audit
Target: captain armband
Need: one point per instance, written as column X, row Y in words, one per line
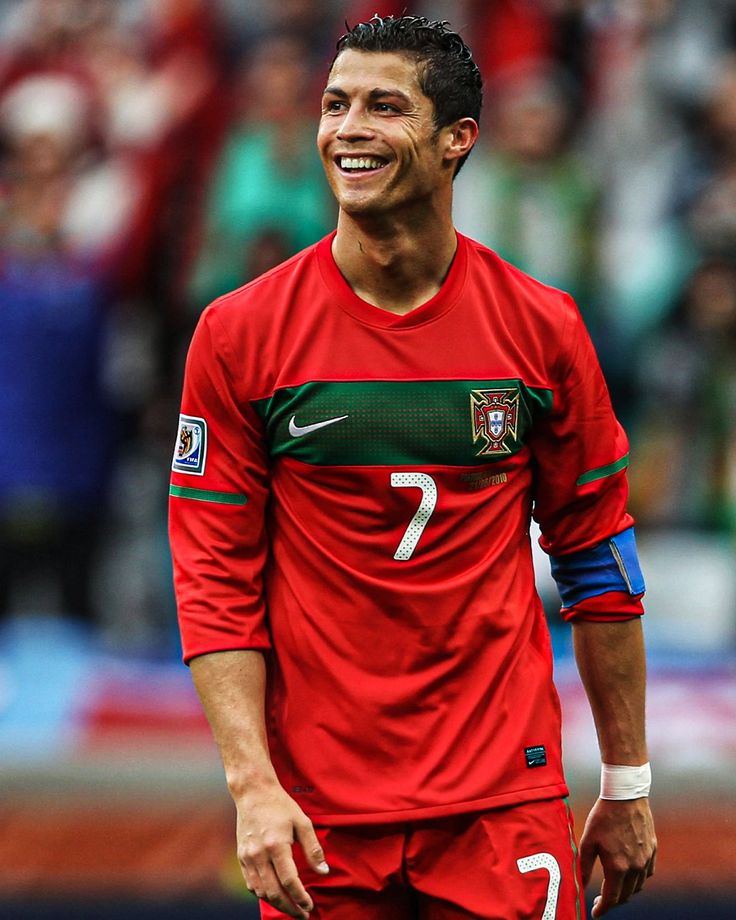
column 601, row 583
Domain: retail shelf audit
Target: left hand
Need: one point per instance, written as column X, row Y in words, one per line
column 620, row 834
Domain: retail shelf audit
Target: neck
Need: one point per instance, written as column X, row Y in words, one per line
column 393, row 264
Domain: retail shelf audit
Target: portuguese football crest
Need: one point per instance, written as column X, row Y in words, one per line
column 494, row 415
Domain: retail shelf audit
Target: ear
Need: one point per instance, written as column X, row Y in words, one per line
column 460, row 138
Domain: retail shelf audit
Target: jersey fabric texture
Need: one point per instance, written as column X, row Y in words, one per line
column 351, row 494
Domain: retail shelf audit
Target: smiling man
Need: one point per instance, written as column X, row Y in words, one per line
column 371, row 426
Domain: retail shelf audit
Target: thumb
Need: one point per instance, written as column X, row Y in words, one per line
column 607, row 899
column 311, row 846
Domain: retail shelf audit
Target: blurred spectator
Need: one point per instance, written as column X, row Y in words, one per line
column 316, row 22
column 152, row 71
column 56, row 181
column 157, row 153
column 524, row 193
column 510, row 35
column 650, row 65
column 713, row 212
column 60, row 220
column 685, row 469
column 43, row 34
column 268, row 182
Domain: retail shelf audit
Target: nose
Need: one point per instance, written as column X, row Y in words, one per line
column 354, row 125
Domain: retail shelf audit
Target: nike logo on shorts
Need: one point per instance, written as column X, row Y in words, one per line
column 298, row 431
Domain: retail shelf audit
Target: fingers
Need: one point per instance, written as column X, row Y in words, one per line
column 268, row 886
column 632, row 882
column 267, row 829
column 290, row 882
column 640, row 879
column 618, row 887
column 271, row 874
column 252, row 880
column 587, row 860
column 636, row 878
column 621, row 835
column 608, row 898
column 307, row 839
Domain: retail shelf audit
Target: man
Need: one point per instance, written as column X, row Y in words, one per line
column 368, row 428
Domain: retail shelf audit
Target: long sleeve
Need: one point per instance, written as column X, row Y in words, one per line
column 581, row 490
column 218, row 494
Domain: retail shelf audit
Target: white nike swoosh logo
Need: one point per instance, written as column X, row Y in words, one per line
column 298, row 431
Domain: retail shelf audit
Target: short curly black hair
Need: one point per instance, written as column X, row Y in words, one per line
column 448, row 75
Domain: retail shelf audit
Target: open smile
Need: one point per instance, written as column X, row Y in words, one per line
column 360, row 165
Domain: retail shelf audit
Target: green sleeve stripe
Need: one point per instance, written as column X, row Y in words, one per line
column 205, row 495
column 602, row 471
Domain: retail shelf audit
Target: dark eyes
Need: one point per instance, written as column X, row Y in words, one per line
column 335, row 106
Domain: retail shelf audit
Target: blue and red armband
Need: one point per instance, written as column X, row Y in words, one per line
column 601, row 583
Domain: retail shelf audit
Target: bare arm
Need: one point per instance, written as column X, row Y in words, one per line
column 611, row 661
column 231, row 686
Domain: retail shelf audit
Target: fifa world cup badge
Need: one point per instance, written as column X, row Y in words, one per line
column 190, row 451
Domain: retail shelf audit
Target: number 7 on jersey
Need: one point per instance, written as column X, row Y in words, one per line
column 423, row 513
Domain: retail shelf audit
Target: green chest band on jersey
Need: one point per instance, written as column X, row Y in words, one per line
column 379, row 422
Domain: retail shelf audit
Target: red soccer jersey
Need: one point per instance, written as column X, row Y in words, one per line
column 352, row 492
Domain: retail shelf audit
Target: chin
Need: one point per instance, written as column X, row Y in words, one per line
column 363, row 208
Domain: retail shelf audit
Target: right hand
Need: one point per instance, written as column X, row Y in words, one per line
column 269, row 823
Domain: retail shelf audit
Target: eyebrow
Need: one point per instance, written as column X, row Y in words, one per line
column 377, row 93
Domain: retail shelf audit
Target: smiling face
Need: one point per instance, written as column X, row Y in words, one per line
column 377, row 138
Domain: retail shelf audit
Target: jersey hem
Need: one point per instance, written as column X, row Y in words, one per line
column 571, row 615
column 254, row 646
column 503, row 800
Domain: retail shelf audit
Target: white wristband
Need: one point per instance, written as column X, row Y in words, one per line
column 622, row 782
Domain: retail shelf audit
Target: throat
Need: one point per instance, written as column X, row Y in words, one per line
column 394, row 281
column 395, row 266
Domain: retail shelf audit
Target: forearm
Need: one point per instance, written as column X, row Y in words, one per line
column 232, row 686
column 611, row 662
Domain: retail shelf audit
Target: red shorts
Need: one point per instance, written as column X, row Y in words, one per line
column 517, row 863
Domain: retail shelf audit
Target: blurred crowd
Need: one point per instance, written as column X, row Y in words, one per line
column 157, row 153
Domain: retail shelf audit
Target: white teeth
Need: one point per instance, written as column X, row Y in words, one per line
column 359, row 163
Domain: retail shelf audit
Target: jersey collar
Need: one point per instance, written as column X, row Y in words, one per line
column 367, row 313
